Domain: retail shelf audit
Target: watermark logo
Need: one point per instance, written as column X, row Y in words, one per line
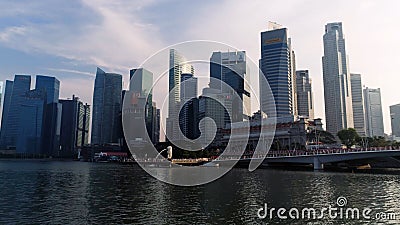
column 338, row 211
column 232, row 84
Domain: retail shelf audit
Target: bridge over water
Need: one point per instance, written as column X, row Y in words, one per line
column 320, row 157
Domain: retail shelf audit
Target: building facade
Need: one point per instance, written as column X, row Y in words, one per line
column 14, row 97
column 106, row 108
column 336, row 78
column 177, row 66
column 30, row 138
column 188, row 114
column 215, row 105
column 395, row 119
column 53, row 109
column 373, row 112
column 231, row 68
column 141, row 84
column 358, row 103
column 75, row 120
column 305, row 98
column 277, row 64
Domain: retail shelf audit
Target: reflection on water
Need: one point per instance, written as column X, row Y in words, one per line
column 80, row 193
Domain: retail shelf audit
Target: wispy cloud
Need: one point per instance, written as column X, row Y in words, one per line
column 72, row 71
column 9, row 33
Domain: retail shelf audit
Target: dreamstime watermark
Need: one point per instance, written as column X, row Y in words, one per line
column 338, row 211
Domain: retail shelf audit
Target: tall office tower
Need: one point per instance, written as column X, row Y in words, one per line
column 141, row 84
column 6, row 105
column 155, row 124
column 231, row 68
column 277, row 65
column 337, row 88
column 52, row 121
column 188, row 115
column 14, row 97
column 1, row 95
column 373, row 112
column 395, row 119
column 31, row 122
column 358, row 103
column 74, row 126
column 177, row 66
column 305, row 98
column 106, row 107
column 210, row 106
column 51, row 85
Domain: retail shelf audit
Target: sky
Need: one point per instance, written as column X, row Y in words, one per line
column 69, row 39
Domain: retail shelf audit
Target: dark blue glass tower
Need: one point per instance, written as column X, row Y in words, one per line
column 52, row 114
column 32, row 115
column 15, row 92
column 277, row 66
column 106, row 107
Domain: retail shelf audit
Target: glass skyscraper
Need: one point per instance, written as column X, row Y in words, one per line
column 231, row 68
column 140, row 91
column 51, row 85
column 32, row 123
column 106, row 107
column 52, row 120
column 188, row 115
column 336, row 77
column 305, row 98
column 395, row 119
column 373, row 112
column 14, row 97
column 177, row 66
column 74, row 126
column 358, row 103
column 277, row 64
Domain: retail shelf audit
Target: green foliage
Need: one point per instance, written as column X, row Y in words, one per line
column 323, row 136
column 374, row 142
column 348, row 137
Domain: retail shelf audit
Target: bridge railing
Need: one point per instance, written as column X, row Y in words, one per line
column 288, row 153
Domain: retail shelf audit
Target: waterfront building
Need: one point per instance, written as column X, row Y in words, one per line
column 31, row 122
column 106, row 108
column 373, row 112
column 52, row 114
column 336, row 78
column 211, row 105
column 358, row 103
column 141, row 84
column 177, row 65
column 277, row 64
column 75, row 120
column 395, row 120
column 188, row 114
column 231, row 68
column 305, row 98
column 14, row 97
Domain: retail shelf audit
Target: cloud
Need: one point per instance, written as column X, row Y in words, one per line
column 72, row 71
column 9, row 33
column 116, row 40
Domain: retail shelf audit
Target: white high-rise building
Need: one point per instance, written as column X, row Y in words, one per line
column 336, row 77
column 177, row 66
column 358, row 103
column 373, row 112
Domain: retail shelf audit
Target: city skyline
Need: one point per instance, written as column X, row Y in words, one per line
column 80, row 73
